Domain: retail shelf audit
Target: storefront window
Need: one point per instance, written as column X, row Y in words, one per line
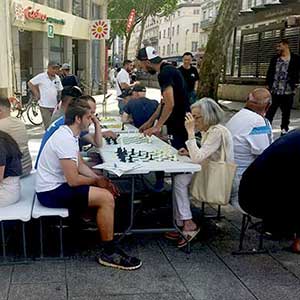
column 78, row 8
column 56, row 49
column 58, row 4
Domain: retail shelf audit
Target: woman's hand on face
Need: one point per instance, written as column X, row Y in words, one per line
column 189, row 123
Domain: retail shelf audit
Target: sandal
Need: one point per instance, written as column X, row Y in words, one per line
column 189, row 236
column 172, row 235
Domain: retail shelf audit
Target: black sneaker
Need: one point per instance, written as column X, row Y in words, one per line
column 119, row 260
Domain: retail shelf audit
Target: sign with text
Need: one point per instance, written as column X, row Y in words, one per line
column 50, row 31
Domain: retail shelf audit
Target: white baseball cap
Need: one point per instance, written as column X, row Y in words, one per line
column 149, row 53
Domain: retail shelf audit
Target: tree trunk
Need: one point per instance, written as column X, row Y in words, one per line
column 127, row 40
column 213, row 60
column 139, row 44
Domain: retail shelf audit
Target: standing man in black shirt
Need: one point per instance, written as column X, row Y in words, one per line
column 175, row 102
column 190, row 75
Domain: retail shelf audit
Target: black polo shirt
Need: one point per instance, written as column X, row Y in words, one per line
column 190, row 76
column 170, row 76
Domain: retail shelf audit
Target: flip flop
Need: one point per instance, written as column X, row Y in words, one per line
column 172, row 235
column 189, row 236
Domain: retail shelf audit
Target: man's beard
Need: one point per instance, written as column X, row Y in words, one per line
column 151, row 71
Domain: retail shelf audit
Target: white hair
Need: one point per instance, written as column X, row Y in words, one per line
column 212, row 113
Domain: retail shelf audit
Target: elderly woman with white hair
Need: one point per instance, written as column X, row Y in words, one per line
column 205, row 117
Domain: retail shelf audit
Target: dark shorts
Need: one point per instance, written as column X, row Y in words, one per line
column 65, row 196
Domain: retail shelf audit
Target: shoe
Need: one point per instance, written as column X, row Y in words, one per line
column 189, row 236
column 283, row 132
column 119, row 260
column 172, row 235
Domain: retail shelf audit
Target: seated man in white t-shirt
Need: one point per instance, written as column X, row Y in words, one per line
column 46, row 87
column 251, row 132
column 63, row 180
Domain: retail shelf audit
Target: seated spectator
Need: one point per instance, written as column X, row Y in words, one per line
column 269, row 187
column 64, row 181
column 10, row 170
column 68, row 79
column 205, row 116
column 67, row 94
column 251, row 132
column 139, row 109
column 17, row 130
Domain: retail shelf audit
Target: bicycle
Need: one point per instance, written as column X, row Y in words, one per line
column 31, row 108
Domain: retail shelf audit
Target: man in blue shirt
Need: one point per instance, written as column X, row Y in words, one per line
column 139, row 109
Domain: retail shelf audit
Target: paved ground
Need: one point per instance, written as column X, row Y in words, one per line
column 209, row 272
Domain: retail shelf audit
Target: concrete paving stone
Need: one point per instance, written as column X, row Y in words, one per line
column 39, row 272
column 165, row 296
column 5, row 273
column 212, row 280
column 199, row 252
column 265, row 277
column 151, row 278
column 44, row 291
column 290, row 261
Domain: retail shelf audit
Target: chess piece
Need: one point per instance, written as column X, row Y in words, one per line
column 151, row 157
column 130, row 159
column 115, row 141
column 140, row 153
column 132, row 151
column 108, row 140
column 147, row 154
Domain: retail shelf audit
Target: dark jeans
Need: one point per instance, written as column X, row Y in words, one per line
column 285, row 103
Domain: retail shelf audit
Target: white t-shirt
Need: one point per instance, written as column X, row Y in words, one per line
column 122, row 77
column 251, row 136
column 48, row 89
column 62, row 145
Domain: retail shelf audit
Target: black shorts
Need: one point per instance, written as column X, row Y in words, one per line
column 65, row 196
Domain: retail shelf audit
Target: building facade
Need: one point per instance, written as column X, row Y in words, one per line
column 43, row 30
column 260, row 27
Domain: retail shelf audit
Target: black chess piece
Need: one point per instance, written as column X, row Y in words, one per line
column 132, row 151
column 147, row 154
column 130, row 159
column 140, row 153
column 151, row 158
column 115, row 141
column 122, row 157
column 123, row 126
column 108, row 140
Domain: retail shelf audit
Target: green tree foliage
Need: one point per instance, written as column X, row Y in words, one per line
column 118, row 12
column 213, row 60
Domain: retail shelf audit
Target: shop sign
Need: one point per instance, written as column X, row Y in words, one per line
column 31, row 14
column 50, row 31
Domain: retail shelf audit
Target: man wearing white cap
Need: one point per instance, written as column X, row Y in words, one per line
column 46, row 87
column 175, row 101
column 68, row 79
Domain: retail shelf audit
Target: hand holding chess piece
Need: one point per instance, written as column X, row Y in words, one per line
column 152, row 131
column 145, row 126
column 183, row 152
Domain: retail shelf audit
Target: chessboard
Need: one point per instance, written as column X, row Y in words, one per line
column 133, row 155
column 136, row 138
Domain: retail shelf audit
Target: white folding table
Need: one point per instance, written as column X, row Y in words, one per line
column 183, row 165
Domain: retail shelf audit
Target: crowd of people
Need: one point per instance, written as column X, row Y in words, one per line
column 64, row 180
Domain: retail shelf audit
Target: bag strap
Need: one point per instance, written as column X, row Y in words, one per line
column 224, row 154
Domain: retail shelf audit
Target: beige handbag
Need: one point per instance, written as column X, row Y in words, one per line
column 214, row 182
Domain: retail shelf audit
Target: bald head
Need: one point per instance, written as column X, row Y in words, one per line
column 259, row 100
